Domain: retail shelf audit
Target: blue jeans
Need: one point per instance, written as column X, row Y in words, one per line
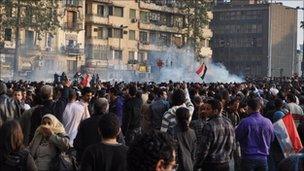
column 254, row 165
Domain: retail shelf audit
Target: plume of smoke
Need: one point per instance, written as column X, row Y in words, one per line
column 180, row 65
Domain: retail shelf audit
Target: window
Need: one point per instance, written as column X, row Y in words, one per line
column 141, row 57
column 117, row 33
column 100, row 10
column 8, row 34
column 144, row 17
column 153, row 37
column 132, row 34
column 132, row 14
column 29, row 39
column 100, row 33
column 118, row 11
column 71, row 19
column 143, row 36
column 131, row 55
column 118, row 54
column 100, row 52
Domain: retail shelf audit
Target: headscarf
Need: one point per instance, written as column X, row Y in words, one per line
column 56, row 126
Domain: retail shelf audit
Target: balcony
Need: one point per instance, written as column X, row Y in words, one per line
column 170, row 8
column 73, row 26
column 151, row 47
column 162, row 28
column 71, row 51
column 104, row 1
column 73, row 3
column 92, row 18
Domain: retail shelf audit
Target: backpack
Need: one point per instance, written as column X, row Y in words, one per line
column 14, row 162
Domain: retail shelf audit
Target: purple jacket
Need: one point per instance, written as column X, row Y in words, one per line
column 255, row 134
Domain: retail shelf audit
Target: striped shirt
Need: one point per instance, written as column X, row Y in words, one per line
column 169, row 120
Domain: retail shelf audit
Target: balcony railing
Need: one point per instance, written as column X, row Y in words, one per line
column 73, row 3
column 104, row 1
column 72, row 51
column 73, row 26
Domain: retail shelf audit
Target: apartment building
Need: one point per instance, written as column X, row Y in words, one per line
column 134, row 34
column 61, row 50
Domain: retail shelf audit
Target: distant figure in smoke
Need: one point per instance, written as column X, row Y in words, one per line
column 56, row 78
column 77, row 77
column 63, row 77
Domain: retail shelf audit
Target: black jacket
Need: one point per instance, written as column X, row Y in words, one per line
column 55, row 108
column 8, row 108
column 131, row 118
column 88, row 134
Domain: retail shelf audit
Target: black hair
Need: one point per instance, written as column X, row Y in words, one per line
column 148, row 148
column 254, row 103
column 86, row 90
column 278, row 103
column 109, row 126
column 132, row 91
column 182, row 117
column 291, row 97
column 114, row 91
column 215, row 104
column 72, row 94
column 178, row 97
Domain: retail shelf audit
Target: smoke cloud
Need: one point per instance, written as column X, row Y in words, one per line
column 180, row 65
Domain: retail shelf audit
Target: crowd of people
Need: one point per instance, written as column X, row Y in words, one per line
column 148, row 126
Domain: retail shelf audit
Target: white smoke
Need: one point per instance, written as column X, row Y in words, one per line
column 180, row 65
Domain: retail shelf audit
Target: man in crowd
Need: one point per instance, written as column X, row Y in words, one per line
column 157, row 109
column 48, row 105
column 75, row 112
column 218, row 140
column 108, row 155
column 116, row 103
column 255, row 134
column 180, row 98
column 88, row 129
column 131, row 120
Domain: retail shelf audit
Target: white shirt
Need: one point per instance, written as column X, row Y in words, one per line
column 73, row 114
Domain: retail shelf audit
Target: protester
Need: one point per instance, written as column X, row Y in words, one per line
column 152, row 151
column 116, row 103
column 218, row 142
column 198, row 124
column 75, row 112
column 87, row 133
column 255, row 134
column 186, row 140
column 108, row 155
column 157, row 109
column 8, row 109
column 180, row 98
column 13, row 155
column 48, row 105
column 131, row 119
column 49, row 140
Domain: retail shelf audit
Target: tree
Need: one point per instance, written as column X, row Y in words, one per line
column 38, row 15
column 196, row 20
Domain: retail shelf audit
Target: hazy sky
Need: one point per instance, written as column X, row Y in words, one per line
column 295, row 3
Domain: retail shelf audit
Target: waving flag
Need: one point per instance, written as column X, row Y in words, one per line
column 286, row 133
column 201, row 71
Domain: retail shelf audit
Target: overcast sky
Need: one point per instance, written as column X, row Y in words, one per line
column 295, row 3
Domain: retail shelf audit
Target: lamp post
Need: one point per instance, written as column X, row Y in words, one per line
column 302, row 26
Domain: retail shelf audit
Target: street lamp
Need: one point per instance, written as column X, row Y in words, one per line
column 299, row 8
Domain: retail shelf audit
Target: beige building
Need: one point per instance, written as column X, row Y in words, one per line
column 61, row 50
column 104, row 36
column 133, row 35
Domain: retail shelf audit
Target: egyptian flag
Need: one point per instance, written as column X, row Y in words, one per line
column 86, row 80
column 287, row 135
column 201, row 71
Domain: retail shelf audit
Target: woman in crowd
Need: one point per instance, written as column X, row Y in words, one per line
column 13, row 155
column 49, row 140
